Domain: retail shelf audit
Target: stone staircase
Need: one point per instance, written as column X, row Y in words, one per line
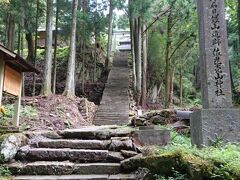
column 114, row 108
column 84, row 154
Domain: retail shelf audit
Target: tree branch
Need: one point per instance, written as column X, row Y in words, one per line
column 156, row 19
column 180, row 44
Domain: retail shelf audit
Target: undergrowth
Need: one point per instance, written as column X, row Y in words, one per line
column 26, row 112
column 223, row 160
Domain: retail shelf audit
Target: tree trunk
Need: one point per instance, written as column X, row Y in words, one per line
column 238, row 24
column 110, row 29
column 135, row 38
column 10, row 30
column 181, row 85
column 29, row 38
column 95, row 59
column 70, row 82
column 83, row 67
column 46, row 87
column 168, row 62
column 35, row 52
column 131, row 22
column 19, row 39
column 139, row 62
column 55, row 50
column 22, row 45
column 172, row 85
column 144, row 77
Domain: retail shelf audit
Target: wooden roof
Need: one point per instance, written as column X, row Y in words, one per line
column 15, row 61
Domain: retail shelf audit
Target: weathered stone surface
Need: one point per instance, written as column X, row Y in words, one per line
column 79, row 177
column 128, row 154
column 121, row 132
column 96, row 133
column 11, row 145
column 115, row 156
column 158, row 120
column 45, row 134
column 209, row 125
column 64, row 177
column 83, row 134
column 122, row 177
column 74, row 144
column 46, row 154
column 140, row 121
column 131, row 164
column 63, row 168
column 215, row 73
column 97, row 168
column 143, row 173
column 150, row 137
column 42, row 168
column 216, row 121
column 117, row 145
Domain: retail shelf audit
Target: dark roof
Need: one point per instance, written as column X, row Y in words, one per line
column 15, row 61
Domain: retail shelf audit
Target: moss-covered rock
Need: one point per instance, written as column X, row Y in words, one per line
column 10, row 145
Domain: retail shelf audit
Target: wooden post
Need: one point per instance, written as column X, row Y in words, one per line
column 2, row 65
column 17, row 106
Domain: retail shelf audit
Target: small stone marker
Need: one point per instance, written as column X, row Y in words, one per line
column 150, row 136
column 217, row 120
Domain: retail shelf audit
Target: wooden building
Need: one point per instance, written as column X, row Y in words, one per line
column 12, row 67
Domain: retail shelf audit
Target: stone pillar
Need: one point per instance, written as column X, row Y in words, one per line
column 217, row 120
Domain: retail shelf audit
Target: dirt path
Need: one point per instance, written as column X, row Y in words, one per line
column 114, row 108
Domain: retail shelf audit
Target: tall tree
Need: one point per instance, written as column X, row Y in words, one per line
column 131, row 23
column 110, row 29
column 70, row 83
column 55, row 47
column 10, row 31
column 144, row 79
column 46, row 87
column 139, row 59
column 35, row 52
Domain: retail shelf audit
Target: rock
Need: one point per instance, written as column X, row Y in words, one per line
column 117, row 145
column 128, row 154
column 143, row 173
column 74, row 144
column 11, row 145
column 73, row 155
column 88, row 133
column 167, row 113
column 97, row 168
column 150, row 137
column 131, row 113
column 115, row 156
column 131, row 164
column 42, row 168
column 157, row 120
column 139, row 121
column 46, row 134
column 121, row 132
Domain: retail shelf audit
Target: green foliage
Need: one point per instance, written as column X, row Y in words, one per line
column 217, row 162
column 4, row 171
column 26, row 112
column 176, row 176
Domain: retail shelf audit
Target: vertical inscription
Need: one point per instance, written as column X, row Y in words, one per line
column 216, row 50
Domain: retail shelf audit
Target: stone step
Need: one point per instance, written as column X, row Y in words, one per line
column 76, row 155
column 79, row 177
column 74, row 144
column 63, row 168
column 90, row 134
column 101, row 121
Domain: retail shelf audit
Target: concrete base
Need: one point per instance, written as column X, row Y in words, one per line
column 210, row 125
